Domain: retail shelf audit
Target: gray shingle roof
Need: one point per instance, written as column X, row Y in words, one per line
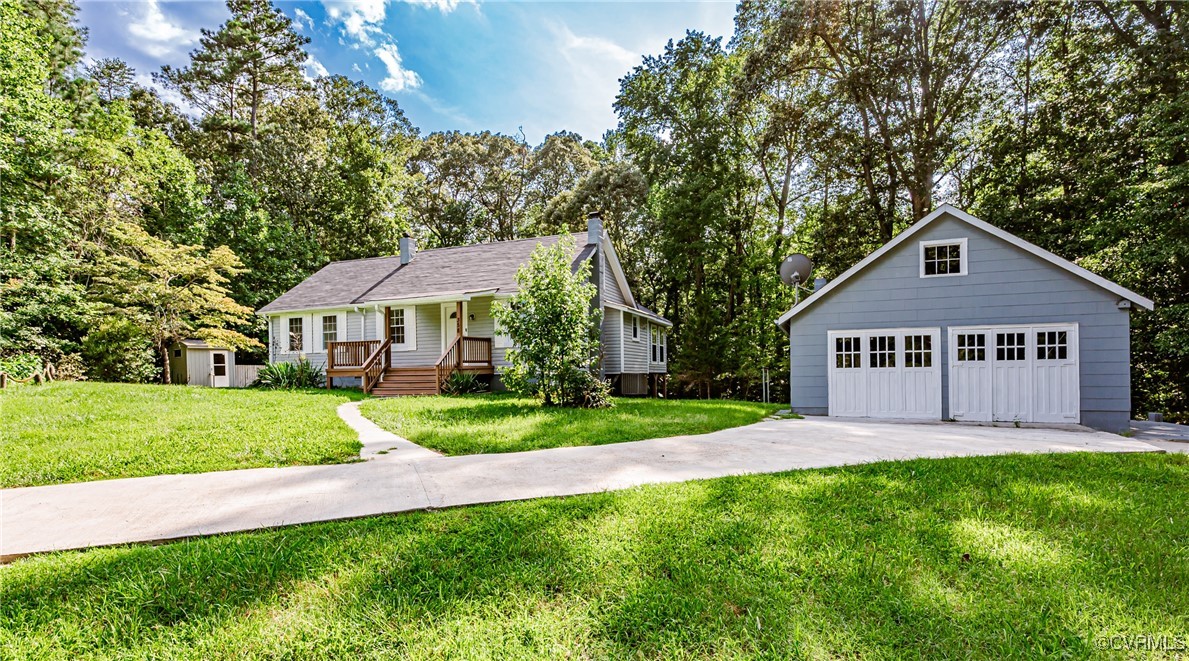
column 441, row 271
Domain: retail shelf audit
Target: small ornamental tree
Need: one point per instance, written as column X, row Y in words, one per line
column 554, row 329
column 171, row 292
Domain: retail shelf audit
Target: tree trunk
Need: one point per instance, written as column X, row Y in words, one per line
column 165, row 375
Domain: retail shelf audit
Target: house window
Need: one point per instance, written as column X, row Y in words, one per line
column 848, row 353
column 635, row 328
column 918, row 351
column 396, row 325
column 177, row 353
column 655, row 342
column 972, row 347
column 330, row 330
column 295, row 333
column 1009, row 346
column 940, row 258
column 883, row 351
column 664, row 345
column 1052, row 345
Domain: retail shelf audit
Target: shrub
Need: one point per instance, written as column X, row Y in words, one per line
column 20, row 365
column 119, row 351
column 553, row 326
column 288, row 376
column 464, row 383
column 581, row 389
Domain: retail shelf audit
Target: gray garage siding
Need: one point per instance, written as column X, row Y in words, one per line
column 1004, row 285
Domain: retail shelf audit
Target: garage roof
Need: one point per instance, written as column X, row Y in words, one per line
column 955, row 212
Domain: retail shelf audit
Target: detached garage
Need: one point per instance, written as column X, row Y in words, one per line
column 957, row 319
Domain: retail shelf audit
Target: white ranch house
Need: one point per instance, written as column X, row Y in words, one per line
column 402, row 324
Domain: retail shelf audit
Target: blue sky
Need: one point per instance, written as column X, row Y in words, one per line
column 470, row 66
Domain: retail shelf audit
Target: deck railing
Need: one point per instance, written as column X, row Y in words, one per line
column 476, row 351
column 350, row 354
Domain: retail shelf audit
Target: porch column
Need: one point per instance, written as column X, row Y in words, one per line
column 458, row 316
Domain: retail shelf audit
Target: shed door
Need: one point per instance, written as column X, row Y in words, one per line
column 885, row 373
column 1015, row 373
column 219, row 376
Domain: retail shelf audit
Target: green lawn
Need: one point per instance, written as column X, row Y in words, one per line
column 71, row 432
column 475, row 424
column 996, row 557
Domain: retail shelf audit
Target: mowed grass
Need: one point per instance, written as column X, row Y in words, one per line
column 1020, row 557
column 475, row 424
column 72, row 432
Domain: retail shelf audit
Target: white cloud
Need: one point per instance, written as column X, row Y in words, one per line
column 585, row 74
column 444, row 6
column 361, row 20
column 355, row 67
column 575, row 47
column 313, row 69
column 302, row 19
column 154, row 33
column 399, row 78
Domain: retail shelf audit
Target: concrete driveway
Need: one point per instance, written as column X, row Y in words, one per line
column 71, row 516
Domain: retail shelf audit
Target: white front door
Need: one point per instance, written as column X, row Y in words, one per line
column 893, row 373
column 219, row 376
column 1015, row 373
column 450, row 322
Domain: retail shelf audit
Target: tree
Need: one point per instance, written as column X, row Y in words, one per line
column 253, row 59
column 113, row 77
column 172, row 292
column 551, row 322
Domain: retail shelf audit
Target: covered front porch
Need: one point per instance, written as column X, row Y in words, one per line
column 418, row 347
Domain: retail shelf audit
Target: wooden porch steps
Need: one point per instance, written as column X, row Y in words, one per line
column 399, row 381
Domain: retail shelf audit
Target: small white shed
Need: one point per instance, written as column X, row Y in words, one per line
column 196, row 363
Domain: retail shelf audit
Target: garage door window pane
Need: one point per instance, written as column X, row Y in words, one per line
column 918, row 351
column 883, row 351
column 972, row 347
column 847, row 353
column 1052, row 345
column 1009, row 346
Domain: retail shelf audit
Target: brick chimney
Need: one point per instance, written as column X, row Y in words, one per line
column 407, row 247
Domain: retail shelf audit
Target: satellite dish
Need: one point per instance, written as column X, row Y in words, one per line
column 795, row 269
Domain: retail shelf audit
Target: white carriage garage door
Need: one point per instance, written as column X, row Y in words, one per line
column 886, row 373
column 1015, row 373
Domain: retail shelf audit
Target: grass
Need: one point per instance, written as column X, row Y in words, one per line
column 70, row 432
column 474, row 424
column 1021, row 557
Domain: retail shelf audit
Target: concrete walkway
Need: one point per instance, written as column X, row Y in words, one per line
column 71, row 516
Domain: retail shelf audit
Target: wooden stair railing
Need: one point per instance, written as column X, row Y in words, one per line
column 448, row 362
column 375, row 366
column 463, row 352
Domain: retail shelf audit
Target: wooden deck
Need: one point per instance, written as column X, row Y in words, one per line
column 371, row 361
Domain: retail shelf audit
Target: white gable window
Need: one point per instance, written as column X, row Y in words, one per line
column 943, row 258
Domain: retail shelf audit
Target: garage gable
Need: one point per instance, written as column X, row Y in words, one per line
column 956, row 225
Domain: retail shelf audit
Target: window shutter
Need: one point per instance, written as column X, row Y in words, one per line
column 411, row 328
